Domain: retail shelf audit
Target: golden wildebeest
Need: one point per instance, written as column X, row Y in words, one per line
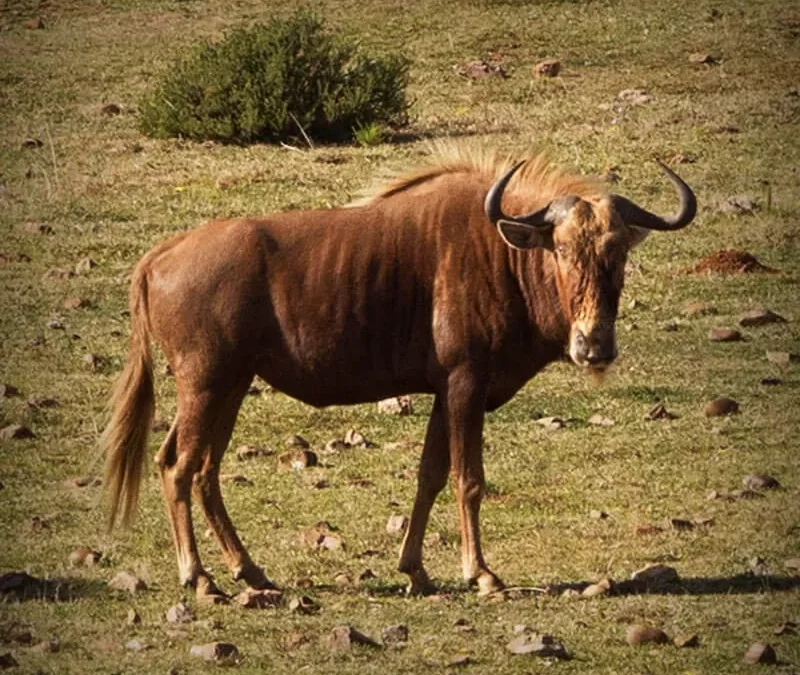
column 427, row 286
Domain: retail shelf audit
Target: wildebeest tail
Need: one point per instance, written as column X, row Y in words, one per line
column 124, row 440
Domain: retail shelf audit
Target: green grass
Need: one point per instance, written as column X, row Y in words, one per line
column 109, row 193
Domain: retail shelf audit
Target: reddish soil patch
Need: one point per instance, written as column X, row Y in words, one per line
column 729, row 262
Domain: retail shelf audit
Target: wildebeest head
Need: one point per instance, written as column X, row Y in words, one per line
column 590, row 239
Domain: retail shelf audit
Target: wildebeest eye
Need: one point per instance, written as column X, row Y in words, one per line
column 562, row 250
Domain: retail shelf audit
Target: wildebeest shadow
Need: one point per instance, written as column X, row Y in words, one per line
column 741, row 584
column 22, row 587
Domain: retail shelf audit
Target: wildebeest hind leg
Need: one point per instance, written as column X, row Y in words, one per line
column 433, row 469
column 207, row 491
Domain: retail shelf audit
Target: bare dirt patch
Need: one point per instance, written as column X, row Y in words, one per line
column 729, row 261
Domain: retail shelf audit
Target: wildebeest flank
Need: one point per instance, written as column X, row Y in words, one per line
column 428, row 286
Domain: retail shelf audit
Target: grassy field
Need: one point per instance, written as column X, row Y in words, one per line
column 78, row 183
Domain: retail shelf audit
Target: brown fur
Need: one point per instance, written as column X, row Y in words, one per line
column 411, row 290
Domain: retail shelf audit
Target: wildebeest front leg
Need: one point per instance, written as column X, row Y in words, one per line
column 465, row 409
column 433, row 469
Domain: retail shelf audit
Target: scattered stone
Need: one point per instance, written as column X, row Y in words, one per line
column 354, row 439
column 729, row 262
column 395, row 636
column 93, row 361
column 396, row 525
column 782, row 358
column 84, row 556
column 647, row 530
column 655, row 575
column 633, row 97
column 159, row 425
column 551, row 422
column 55, row 324
column 84, row 265
column 334, row 446
column 245, row 452
column 297, row 441
column 84, row 481
column 786, row 628
column 539, row 645
column 296, row 460
column 8, row 391
column 39, row 403
column 761, row 652
column 15, row 432
column 680, row 524
column 463, row 625
column 597, row 514
column 721, row 406
column 476, row 70
column 344, row 637
column 57, row 274
column 304, row 605
column 659, row 412
column 132, row 618
column 259, row 598
column 602, row 587
column 600, row 421
column 687, row 641
column 695, row 309
column 758, row 566
column 343, row 579
column 110, row 110
column 397, row 405
column 366, row 575
column 547, row 68
column 459, row 661
column 36, row 23
column 32, row 143
column 792, row 564
column 49, row 646
column 639, row 634
column 136, row 645
column 322, row 535
column 701, row 58
column 704, row 521
column 738, row 205
column 223, row 653
column 127, row 582
column 760, row 482
column 295, row 639
column 724, row 335
column 180, row 613
column 760, row 317
column 770, row 381
column 7, row 660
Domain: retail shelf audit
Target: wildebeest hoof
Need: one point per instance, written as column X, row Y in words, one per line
column 207, row 593
column 488, row 583
column 254, row 577
column 419, row 584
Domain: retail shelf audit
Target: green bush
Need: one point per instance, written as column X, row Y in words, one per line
column 286, row 79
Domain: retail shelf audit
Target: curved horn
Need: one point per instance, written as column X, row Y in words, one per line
column 494, row 212
column 633, row 214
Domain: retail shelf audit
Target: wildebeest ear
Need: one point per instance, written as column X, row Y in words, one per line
column 638, row 234
column 522, row 236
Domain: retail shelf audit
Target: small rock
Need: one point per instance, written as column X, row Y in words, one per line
column 551, row 422
column 55, row 324
column 702, row 58
column 786, row 628
column 721, row 406
column 724, row 335
column 75, row 303
column 760, row 482
column 85, row 556
column 686, row 641
column 93, row 361
column 331, row 542
column 259, row 598
column 770, row 381
column 219, row 652
column 343, row 579
column 397, row 405
column 761, row 652
column 295, row 639
column 84, row 481
column 680, row 524
column 334, row 446
column 15, row 432
column 738, row 205
column 597, row 514
column 304, row 605
column 655, row 575
column 599, row 420
column 602, row 587
column 7, row 660
column 236, row 479
column 296, row 460
column 395, row 636
column 782, row 358
column 647, row 530
column 159, row 425
column 459, row 661
column 136, row 645
column 659, row 412
column 84, row 265
column 32, row 143
column 638, row 634
column 132, row 618
column 758, row 566
column 245, row 452
column 539, row 645
column 110, row 109
column 476, row 70
column 58, row 274
column 792, row 564
column 396, row 525
column 695, row 309
column 180, row 613
column 39, row 403
column 547, row 68
column 634, row 97
column 297, row 441
column 760, row 317
column 355, row 438
column 8, row 391
column 125, row 581
column 344, row 637
column 36, row 23
column 366, row 575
